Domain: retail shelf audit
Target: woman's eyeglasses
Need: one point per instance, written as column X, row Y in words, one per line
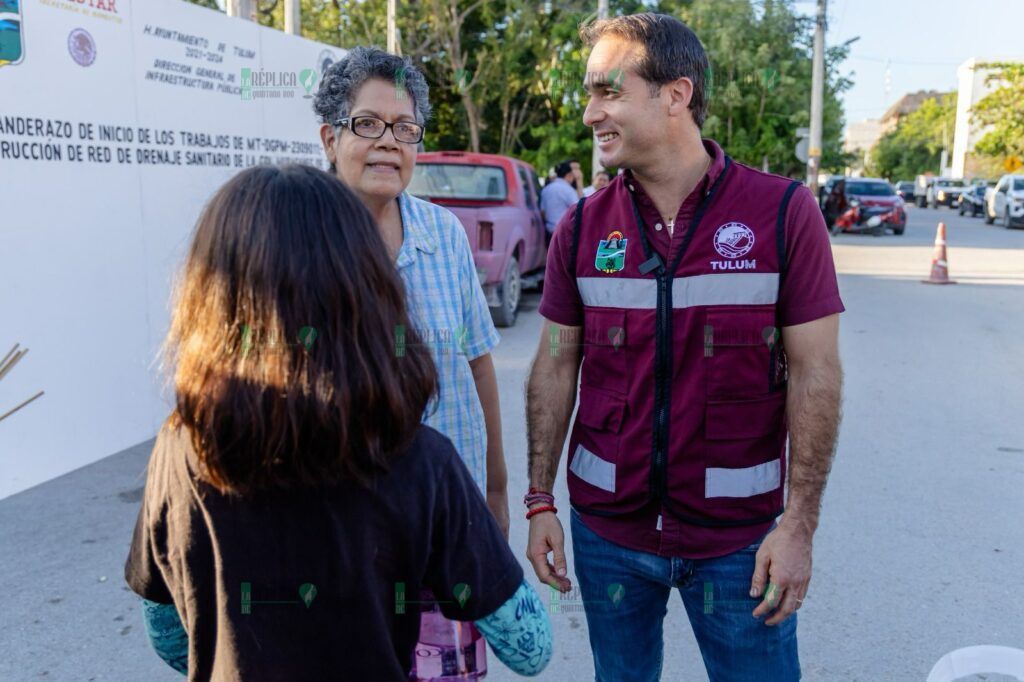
column 373, row 128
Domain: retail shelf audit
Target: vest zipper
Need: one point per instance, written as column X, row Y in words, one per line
column 663, row 341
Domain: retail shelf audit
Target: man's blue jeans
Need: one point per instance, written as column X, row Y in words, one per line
column 625, row 596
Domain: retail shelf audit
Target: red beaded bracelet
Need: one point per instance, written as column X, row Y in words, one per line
column 537, row 510
column 537, row 495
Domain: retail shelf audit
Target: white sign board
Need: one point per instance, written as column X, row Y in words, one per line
column 118, row 121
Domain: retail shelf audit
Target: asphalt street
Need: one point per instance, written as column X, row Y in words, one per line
column 920, row 549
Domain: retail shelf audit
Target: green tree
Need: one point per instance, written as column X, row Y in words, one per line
column 507, row 75
column 915, row 146
column 760, row 92
column 1003, row 109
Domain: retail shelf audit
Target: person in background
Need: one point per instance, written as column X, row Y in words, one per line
column 293, row 496
column 373, row 107
column 599, row 181
column 560, row 194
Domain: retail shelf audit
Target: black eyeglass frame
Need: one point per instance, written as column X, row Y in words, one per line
column 350, row 123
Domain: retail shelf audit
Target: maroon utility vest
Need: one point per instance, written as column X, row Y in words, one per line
column 683, row 387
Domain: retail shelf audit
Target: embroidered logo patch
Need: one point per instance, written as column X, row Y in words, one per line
column 611, row 253
column 733, row 240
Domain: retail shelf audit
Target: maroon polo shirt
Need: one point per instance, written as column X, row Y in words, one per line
column 809, row 291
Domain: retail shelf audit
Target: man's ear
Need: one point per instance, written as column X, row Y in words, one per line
column 680, row 92
column 328, row 139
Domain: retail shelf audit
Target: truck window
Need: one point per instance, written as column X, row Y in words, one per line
column 459, row 181
column 525, row 182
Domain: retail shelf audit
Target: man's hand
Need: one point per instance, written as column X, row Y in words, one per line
column 546, row 536
column 784, row 561
column 497, row 502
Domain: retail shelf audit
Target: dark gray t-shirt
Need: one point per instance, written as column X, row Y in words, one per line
column 239, row 571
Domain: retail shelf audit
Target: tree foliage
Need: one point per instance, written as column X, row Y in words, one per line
column 1003, row 109
column 915, row 145
column 507, row 75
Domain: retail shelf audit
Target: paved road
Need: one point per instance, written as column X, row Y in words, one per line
column 920, row 548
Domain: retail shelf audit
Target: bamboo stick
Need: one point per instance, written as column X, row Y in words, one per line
column 4, row 361
column 7, row 414
column 10, row 365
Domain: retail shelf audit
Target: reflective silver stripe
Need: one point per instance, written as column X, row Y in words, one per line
column 618, row 292
column 733, row 288
column 597, row 472
column 742, row 482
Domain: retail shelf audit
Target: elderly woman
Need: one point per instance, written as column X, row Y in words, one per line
column 373, row 107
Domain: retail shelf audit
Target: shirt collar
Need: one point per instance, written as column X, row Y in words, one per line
column 415, row 227
column 714, row 170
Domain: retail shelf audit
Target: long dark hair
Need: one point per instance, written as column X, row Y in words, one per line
column 282, row 338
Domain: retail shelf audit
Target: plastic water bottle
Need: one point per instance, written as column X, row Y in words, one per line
column 447, row 649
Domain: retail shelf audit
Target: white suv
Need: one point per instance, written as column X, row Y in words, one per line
column 1006, row 201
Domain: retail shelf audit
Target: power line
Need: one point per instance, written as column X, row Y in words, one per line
column 871, row 58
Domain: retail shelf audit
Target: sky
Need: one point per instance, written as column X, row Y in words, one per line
column 923, row 41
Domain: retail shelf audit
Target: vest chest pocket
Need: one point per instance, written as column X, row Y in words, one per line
column 605, row 346
column 741, row 351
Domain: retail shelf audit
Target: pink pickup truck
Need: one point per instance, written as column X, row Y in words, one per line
column 497, row 199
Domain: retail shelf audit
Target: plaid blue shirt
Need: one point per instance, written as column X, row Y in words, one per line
column 450, row 315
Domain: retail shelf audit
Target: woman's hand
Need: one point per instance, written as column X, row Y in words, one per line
column 497, row 502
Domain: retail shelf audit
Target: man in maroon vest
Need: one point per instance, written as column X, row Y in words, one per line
column 701, row 298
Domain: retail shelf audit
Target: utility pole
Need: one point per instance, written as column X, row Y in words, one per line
column 602, row 13
column 243, row 9
column 817, row 100
column 392, row 27
column 293, row 17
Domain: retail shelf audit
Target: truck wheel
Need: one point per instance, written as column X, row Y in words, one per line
column 511, row 289
column 989, row 219
column 961, row 209
column 920, row 202
column 1006, row 217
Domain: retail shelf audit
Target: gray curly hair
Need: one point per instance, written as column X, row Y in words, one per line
column 341, row 82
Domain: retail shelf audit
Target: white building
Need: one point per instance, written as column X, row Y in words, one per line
column 972, row 89
column 859, row 138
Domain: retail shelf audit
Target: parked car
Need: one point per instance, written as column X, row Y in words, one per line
column 497, row 200
column 865, row 205
column 945, row 192
column 972, row 201
column 1006, row 201
column 905, row 190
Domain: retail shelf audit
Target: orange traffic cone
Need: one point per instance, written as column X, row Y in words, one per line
column 940, row 266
